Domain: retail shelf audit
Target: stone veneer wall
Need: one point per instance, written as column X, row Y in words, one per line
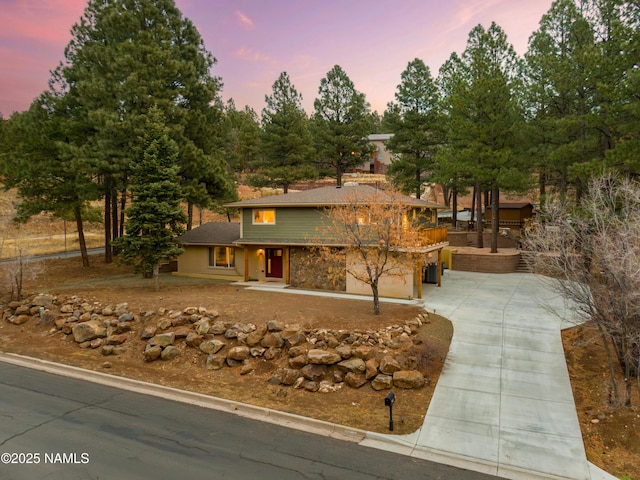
column 481, row 260
column 309, row 273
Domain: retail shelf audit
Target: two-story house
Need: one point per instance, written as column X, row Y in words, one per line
column 273, row 238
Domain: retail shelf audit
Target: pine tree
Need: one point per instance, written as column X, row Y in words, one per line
column 416, row 122
column 124, row 57
column 341, row 123
column 286, row 144
column 155, row 217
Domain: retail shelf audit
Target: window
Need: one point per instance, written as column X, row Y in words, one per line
column 224, row 257
column 264, row 216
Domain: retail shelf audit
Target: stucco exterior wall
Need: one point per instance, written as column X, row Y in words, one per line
column 195, row 261
column 392, row 286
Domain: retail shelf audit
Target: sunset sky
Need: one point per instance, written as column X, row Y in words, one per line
column 255, row 40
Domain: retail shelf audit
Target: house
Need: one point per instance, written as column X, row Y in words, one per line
column 380, row 157
column 512, row 215
column 275, row 235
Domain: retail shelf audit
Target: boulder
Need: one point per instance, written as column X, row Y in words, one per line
column 170, row 352
column 163, row 339
column 408, row 379
column 364, row 352
column 355, row 380
column 323, row 357
column 218, row 328
column 389, row 365
column 115, row 339
column 246, row 369
column 83, row 332
column 148, row 331
column 272, row 352
column 355, row 365
column 257, row 351
column 382, row 382
column 275, row 326
column 371, row 369
column 18, row 319
column 152, row 352
column 293, row 337
column 298, row 362
column 239, row 353
column 314, row 372
column 193, row 340
column 254, row 338
column 201, row 327
column 43, row 300
column 212, row 346
column 344, row 351
column 215, row 362
column 273, row 339
column 289, row 376
column 299, row 350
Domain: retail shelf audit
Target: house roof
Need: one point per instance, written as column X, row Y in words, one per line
column 515, row 205
column 328, row 196
column 379, row 136
column 212, row 233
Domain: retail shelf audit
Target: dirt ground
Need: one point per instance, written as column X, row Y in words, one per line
column 611, row 435
column 108, row 284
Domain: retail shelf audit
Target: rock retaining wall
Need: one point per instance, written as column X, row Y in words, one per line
column 318, row 360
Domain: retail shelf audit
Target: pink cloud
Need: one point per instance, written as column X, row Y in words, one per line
column 253, row 56
column 245, row 21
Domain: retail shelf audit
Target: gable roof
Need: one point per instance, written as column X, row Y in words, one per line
column 328, row 196
column 515, row 205
column 212, row 233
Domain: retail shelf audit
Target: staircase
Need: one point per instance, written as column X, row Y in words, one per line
column 526, row 261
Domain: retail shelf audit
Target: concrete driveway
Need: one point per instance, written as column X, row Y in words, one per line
column 503, row 404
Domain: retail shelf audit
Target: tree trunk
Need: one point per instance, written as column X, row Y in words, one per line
column 81, row 241
column 376, row 299
column 454, row 214
column 339, row 174
column 479, row 240
column 114, row 215
column 418, row 184
column 108, row 256
column 495, row 218
column 473, row 205
column 156, row 277
column 123, row 207
column 189, row 216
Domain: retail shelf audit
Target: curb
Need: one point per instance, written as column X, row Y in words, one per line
column 284, row 419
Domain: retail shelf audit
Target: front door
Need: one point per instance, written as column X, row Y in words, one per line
column 274, row 262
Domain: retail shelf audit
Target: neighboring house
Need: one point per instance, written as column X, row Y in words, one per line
column 512, row 215
column 380, row 157
column 275, row 233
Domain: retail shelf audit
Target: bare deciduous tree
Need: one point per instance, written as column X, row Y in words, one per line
column 378, row 235
column 592, row 250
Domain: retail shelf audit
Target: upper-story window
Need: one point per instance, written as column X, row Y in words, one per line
column 264, row 216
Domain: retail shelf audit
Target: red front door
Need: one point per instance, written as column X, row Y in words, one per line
column 274, row 262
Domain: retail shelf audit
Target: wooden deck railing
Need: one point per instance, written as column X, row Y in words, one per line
column 434, row 236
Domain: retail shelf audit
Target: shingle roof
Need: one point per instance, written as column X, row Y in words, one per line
column 212, row 233
column 326, row 196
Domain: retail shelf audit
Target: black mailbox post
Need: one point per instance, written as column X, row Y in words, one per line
column 388, row 402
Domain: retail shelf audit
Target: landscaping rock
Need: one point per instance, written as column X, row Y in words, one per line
column 18, row 319
column 389, row 365
column 382, row 382
column 408, row 379
column 212, row 346
column 148, row 332
column 371, row 368
column 215, row 362
column 273, row 339
column 201, row 327
column 194, row 340
column 355, row 365
column 355, row 380
column 115, row 339
column 152, row 352
column 314, row 372
column 163, row 340
column 323, row 357
column 239, row 353
column 83, row 332
column 275, row 326
column 170, row 352
column 43, row 300
column 289, row 376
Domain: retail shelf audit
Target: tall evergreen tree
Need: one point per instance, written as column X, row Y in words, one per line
column 47, row 178
column 286, row 143
column 155, row 216
column 124, row 57
column 341, row 123
column 415, row 120
column 484, row 117
column 242, row 137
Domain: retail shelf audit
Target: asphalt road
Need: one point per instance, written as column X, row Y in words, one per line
column 54, row 427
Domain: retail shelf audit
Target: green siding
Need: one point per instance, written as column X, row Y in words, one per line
column 291, row 223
